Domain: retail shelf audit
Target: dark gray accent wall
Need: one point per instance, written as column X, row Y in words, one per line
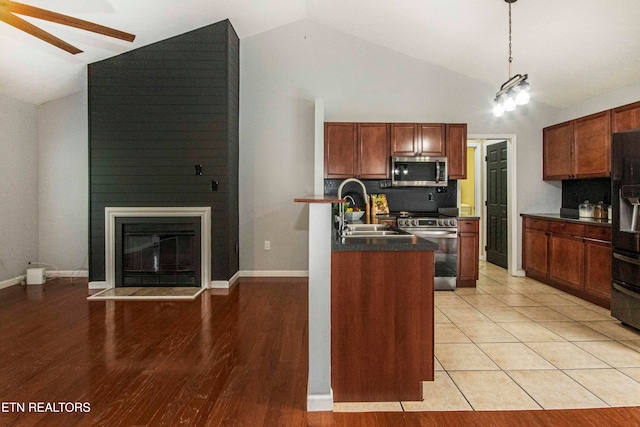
column 155, row 113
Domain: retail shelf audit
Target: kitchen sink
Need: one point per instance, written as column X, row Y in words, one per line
column 393, row 237
column 368, row 231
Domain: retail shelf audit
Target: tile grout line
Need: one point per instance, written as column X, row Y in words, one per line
column 607, row 337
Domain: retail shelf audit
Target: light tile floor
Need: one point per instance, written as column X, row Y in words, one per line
column 515, row 343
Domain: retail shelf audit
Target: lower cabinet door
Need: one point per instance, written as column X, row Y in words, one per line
column 597, row 268
column 566, row 260
column 536, row 252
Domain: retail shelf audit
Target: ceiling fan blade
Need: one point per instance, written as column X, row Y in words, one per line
column 29, row 28
column 36, row 12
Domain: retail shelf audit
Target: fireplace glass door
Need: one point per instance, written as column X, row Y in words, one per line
column 158, row 251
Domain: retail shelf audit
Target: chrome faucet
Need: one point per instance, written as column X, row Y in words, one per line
column 353, row 202
column 341, row 210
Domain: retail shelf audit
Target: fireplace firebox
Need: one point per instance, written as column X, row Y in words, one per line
column 158, row 251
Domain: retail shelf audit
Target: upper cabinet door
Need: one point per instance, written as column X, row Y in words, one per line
column 625, row 118
column 592, row 146
column 456, row 150
column 431, row 137
column 373, row 150
column 339, row 150
column 557, row 152
column 404, row 139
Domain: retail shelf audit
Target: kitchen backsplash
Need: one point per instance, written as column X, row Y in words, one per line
column 412, row 199
column 576, row 191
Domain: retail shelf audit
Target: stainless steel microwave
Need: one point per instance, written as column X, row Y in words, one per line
column 419, row 171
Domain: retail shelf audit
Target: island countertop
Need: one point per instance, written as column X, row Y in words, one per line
column 388, row 244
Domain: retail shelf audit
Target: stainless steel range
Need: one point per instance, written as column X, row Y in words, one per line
column 442, row 230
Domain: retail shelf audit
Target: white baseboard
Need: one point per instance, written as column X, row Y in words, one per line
column 68, row 273
column 224, row 284
column 98, row 285
column 320, row 402
column 274, row 273
column 520, row 273
column 12, row 282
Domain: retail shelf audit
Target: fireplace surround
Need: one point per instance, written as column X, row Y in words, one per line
column 116, row 217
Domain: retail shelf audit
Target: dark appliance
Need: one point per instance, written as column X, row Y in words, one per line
column 419, row 171
column 625, row 227
column 442, row 230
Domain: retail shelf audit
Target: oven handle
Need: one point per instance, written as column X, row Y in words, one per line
column 624, row 258
column 625, row 289
column 442, row 234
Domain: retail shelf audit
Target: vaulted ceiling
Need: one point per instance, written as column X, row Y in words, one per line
column 572, row 49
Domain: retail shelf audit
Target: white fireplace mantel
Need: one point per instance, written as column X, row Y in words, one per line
column 111, row 213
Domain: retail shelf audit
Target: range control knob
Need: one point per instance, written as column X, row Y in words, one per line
column 452, row 222
column 440, row 223
column 403, row 222
column 414, row 222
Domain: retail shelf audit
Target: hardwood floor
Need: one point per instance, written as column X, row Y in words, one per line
column 224, row 360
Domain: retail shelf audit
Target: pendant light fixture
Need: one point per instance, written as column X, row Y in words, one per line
column 514, row 91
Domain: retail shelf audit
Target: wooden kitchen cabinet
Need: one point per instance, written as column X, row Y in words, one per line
column 557, row 151
column 597, row 272
column 578, row 149
column 597, row 262
column 456, row 150
column 381, row 325
column 373, row 151
column 573, row 257
column 625, row 118
column 566, row 260
column 468, row 252
column 418, row 139
column 359, row 150
column 535, row 248
column 340, row 150
column 363, row 150
column 592, row 146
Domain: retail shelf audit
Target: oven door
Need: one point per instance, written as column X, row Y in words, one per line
column 625, row 289
column 446, row 257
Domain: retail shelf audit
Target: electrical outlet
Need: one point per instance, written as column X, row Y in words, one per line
column 267, row 245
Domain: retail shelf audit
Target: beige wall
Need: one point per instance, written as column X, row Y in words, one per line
column 18, row 187
column 284, row 70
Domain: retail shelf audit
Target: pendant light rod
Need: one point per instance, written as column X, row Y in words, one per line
column 510, row 56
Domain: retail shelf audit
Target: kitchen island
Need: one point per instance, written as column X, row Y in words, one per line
column 381, row 318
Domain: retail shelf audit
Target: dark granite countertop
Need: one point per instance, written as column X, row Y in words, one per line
column 569, row 218
column 360, row 244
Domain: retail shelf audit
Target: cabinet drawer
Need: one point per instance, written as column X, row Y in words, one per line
column 598, row 233
column 537, row 224
column 567, row 228
column 467, row 226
